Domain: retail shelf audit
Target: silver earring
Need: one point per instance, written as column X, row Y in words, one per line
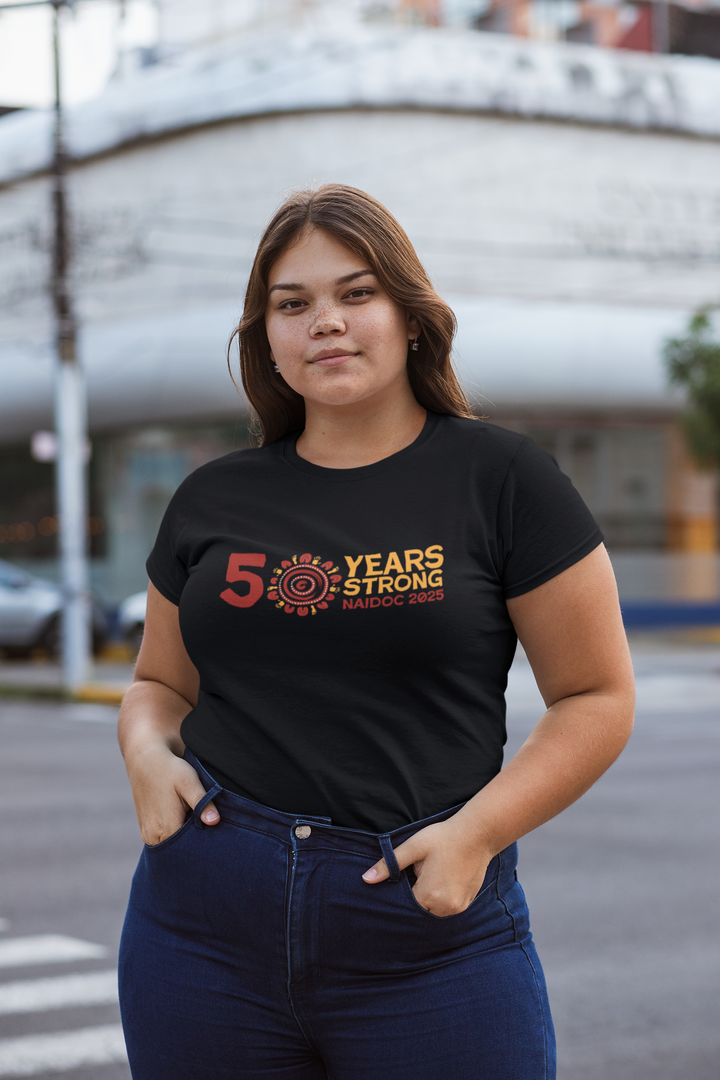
column 414, row 345
column 276, row 367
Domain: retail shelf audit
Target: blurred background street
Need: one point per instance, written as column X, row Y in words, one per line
column 557, row 165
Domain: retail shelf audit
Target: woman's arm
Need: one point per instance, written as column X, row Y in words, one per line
column 572, row 632
column 163, row 692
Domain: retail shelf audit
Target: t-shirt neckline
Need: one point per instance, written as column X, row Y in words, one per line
column 320, row 472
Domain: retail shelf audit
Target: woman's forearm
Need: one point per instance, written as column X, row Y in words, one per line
column 576, row 740
column 164, row 786
column 151, row 714
column 572, row 631
column 573, row 744
column 166, row 687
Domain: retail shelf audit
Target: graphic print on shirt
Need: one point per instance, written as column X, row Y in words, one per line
column 378, row 580
column 303, row 584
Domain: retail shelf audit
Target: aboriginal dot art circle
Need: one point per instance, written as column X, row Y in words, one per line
column 304, row 585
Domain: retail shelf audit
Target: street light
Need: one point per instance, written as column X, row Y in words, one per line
column 70, row 407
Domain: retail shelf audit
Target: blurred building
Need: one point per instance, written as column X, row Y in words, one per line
column 564, row 199
column 690, row 28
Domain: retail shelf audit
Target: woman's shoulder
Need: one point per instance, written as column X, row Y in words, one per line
column 480, row 437
column 239, row 466
column 247, row 460
column 497, row 456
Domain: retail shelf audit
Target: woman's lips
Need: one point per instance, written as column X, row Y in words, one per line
column 334, row 359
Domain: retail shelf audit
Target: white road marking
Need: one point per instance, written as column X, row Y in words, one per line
column 59, row 992
column 66, row 1050
column 47, row 949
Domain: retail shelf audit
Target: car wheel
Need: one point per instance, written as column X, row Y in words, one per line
column 17, row 652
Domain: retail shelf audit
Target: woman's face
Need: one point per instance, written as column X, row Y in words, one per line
column 335, row 334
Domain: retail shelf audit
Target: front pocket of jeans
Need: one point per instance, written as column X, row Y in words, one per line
column 172, row 838
column 491, row 875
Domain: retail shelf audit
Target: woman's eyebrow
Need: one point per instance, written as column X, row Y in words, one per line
column 351, row 277
column 286, row 288
column 281, row 287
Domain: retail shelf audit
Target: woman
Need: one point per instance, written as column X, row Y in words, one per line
column 342, row 899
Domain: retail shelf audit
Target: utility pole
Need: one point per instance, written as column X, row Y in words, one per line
column 70, row 405
column 70, row 419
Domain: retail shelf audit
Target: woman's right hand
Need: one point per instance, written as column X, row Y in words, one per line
column 165, row 789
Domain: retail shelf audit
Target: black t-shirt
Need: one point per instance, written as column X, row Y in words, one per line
column 350, row 626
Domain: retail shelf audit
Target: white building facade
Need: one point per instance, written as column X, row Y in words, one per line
column 565, row 200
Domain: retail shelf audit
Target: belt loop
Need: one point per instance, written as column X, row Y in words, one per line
column 389, row 857
column 202, row 803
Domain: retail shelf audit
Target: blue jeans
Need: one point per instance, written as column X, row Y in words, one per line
column 253, row 949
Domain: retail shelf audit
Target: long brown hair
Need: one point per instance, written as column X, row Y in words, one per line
column 363, row 225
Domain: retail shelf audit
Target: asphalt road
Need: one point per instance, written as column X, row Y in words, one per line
column 624, row 888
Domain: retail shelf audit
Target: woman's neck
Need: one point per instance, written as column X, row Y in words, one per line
column 348, row 438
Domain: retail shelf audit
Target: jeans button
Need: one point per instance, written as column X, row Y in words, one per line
column 302, row 832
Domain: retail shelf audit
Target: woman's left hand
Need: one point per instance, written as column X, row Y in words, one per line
column 450, row 867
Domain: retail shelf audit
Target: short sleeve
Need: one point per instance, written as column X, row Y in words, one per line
column 544, row 525
column 166, row 567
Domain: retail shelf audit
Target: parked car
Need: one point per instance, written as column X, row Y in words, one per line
column 131, row 618
column 30, row 613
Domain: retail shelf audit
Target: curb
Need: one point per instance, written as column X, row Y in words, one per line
column 100, row 695
column 94, row 695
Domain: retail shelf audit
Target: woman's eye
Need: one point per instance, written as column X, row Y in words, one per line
column 359, row 293
column 291, row 305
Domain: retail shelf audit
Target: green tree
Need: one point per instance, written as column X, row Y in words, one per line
column 693, row 362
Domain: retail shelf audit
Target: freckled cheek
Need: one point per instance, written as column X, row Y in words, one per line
column 376, row 331
column 385, row 336
column 385, row 323
column 286, row 342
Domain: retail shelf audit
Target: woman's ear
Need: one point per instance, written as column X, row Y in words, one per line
column 414, row 327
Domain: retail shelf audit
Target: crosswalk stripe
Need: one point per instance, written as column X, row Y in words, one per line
column 47, row 949
column 59, row 992
column 58, row 1052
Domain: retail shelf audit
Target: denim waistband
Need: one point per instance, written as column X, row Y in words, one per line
column 251, row 815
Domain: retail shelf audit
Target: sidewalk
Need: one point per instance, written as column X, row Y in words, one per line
column 109, row 680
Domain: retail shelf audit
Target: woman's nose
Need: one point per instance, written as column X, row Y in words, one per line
column 327, row 321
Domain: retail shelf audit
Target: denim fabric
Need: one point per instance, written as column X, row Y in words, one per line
column 250, row 951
